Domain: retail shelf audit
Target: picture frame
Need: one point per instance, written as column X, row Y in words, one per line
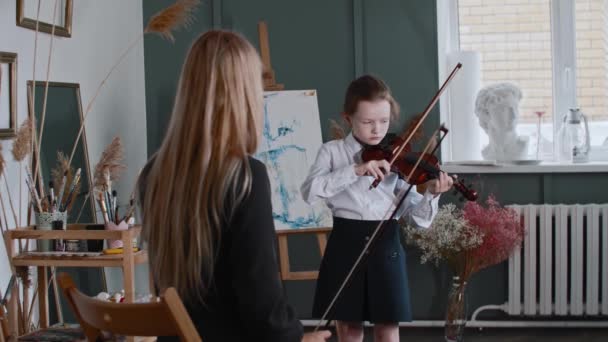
column 62, row 122
column 26, row 16
column 8, row 95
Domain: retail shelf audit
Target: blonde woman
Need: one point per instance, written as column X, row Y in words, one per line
column 206, row 202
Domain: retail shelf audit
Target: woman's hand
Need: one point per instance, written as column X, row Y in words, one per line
column 318, row 336
column 374, row 168
column 439, row 185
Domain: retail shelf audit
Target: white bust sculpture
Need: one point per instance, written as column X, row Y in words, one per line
column 497, row 108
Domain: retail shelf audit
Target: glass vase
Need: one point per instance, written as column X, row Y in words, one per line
column 456, row 311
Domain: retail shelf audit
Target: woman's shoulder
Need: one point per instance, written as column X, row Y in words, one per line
column 259, row 174
column 258, row 168
column 145, row 171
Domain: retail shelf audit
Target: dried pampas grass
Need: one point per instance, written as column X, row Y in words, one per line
column 22, row 145
column 172, row 18
column 2, row 161
column 61, row 169
column 110, row 165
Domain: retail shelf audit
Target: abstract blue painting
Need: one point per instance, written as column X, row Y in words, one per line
column 291, row 139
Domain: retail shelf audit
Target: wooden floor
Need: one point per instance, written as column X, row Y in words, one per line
column 501, row 335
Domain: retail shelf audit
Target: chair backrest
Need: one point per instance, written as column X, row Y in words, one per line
column 167, row 317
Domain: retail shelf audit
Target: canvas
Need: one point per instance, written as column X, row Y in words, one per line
column 291, row 140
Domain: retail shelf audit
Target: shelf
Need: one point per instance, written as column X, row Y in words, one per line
column 545, row 167
column 104, row 260
column 70, row 234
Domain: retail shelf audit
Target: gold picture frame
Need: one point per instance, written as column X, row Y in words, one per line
column 8, row 77
column 64, row 30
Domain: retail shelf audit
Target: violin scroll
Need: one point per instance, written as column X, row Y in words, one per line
column 466, row 191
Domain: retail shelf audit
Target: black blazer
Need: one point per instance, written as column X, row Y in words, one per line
column 246, row 301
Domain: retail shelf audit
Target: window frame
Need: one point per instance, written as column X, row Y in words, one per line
column 563, row 42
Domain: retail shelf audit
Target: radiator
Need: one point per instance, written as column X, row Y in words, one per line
column 561, row 269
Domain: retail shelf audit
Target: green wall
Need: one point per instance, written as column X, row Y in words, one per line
column 323, row 45
column 314, row 45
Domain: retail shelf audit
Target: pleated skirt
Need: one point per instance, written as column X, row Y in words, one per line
column 378, row 291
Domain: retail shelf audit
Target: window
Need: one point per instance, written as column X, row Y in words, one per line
column 555, row 51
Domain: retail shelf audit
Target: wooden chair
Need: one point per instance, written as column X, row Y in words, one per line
column 167, row 317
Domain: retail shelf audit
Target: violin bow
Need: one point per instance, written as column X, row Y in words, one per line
column 425, row 113
column 379, row 229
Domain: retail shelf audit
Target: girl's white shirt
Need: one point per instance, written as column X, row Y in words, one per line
column 332, row 178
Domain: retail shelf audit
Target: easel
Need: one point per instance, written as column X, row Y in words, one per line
column 282, row 236
column 268, row 74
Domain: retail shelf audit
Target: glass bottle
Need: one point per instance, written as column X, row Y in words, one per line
column 456, row 313
column 573, row 138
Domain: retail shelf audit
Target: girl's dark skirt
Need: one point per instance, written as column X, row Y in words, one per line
column 378, row 292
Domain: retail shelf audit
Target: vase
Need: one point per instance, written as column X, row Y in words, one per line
column 456, row 311
column 44, row 221
column 113, row 226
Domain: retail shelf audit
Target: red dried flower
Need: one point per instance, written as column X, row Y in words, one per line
column 502, row 232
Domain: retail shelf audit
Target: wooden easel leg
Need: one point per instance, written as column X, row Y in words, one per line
column 128, row 272
column 22, row 322
column 322, row 241
column 4, row 327
column 128, row 266
column 283, row 257
column 25, row 280
column 43, row 297
column 57, row 296
column 13, row 313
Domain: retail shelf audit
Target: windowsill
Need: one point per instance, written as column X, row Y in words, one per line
column 544, row 167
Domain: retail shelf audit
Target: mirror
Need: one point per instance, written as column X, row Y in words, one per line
column 27, row 11
column 61, row 124
column 8, row 94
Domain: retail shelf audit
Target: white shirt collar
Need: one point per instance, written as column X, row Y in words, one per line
column 352, row 143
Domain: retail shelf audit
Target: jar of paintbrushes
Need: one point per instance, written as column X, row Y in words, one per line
column 113, row 219
column 51, row 205
column 107, row 171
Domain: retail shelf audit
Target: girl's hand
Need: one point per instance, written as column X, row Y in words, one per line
column 319, row 336
column 374, row 168
column 441, row 184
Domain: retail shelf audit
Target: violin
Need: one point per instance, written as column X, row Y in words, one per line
column 406, row 160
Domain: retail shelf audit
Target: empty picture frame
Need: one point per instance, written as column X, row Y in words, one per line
column 27, row 12
column 8, row 95
column 61, row 125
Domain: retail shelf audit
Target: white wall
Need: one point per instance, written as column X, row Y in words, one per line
column 101, row 31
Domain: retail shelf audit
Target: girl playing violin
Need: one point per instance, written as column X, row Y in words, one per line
column 378, row 292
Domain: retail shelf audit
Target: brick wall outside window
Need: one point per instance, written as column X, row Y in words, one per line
column 514, row 38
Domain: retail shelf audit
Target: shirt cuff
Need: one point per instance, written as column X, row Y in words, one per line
column 433, row 200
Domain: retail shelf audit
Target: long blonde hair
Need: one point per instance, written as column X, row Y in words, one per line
column 202, row 164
